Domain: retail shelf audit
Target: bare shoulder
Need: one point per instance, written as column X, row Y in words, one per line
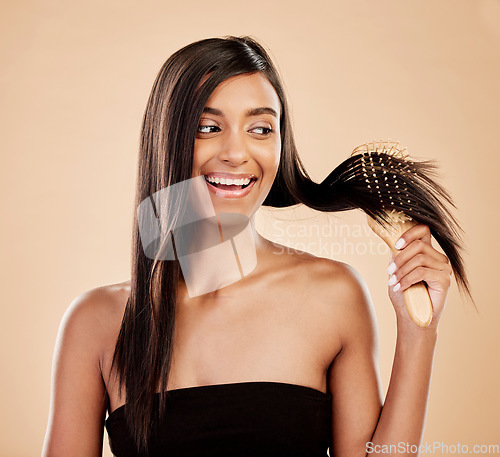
column 339, row 281
column 336, row 289
column 78, row 394
column 99, row 299
column 95, row 315
column 97, row 305
column 327, row 277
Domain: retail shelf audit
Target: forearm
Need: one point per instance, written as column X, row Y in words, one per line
column 402, row 418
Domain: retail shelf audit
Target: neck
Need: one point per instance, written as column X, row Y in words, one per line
column 227, row 253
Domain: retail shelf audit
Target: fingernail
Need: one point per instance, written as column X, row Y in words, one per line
column 400, row 243
column 392, row 280
column 391, row 268
column 396, row 287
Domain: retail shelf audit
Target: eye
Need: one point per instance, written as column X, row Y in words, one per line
column 208, row 129
column 263, row 130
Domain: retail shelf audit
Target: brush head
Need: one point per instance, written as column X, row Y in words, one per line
column 386, row 170
column 397, row 192
column 383, row 178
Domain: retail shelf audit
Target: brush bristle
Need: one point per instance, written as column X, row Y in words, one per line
column 392, row 148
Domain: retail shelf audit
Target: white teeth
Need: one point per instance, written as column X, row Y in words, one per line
column 228, row 181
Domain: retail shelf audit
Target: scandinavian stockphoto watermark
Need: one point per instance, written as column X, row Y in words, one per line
column 435, row 447
column 327, row 239
column 213, row 250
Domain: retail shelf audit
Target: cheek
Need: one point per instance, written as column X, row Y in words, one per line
column 269, row 161
column 199, row 157
column 274, row 157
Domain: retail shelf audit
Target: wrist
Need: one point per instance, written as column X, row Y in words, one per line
column 405, row 326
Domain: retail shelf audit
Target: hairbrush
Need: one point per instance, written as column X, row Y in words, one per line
column 387, row 180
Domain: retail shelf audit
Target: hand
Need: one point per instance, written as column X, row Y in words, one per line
column 418, row 261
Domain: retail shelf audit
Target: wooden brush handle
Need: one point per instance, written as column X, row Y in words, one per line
column 416, row 298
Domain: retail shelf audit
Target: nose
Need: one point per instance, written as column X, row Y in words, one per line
column 234, row 150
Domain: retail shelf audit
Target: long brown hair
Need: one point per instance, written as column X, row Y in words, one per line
column 143, row 353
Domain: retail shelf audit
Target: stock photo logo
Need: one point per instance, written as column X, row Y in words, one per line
column 213, row 250
column 326, row 236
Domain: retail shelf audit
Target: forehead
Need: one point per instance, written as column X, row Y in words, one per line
column 245, row 91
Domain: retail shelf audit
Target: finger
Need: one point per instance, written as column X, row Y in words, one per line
column 435, row 279
column 417, row 261
column 417, row 232
column 413, row 249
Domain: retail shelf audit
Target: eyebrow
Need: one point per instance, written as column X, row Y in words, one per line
column 250, row 112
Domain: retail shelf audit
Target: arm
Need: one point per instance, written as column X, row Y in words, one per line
column 403, row 416
column 78, row 397
column 352, row 379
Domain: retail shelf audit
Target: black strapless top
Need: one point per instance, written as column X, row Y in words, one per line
column 246, row 419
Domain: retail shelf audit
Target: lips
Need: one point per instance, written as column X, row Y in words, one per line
column 230, row 185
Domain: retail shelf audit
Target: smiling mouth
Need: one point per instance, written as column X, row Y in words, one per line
column 225, row 187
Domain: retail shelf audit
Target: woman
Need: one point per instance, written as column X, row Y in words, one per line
column 282, row 362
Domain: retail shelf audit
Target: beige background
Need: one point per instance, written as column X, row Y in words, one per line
column 74, row 83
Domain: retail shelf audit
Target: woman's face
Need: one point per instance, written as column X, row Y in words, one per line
column 238, row 144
